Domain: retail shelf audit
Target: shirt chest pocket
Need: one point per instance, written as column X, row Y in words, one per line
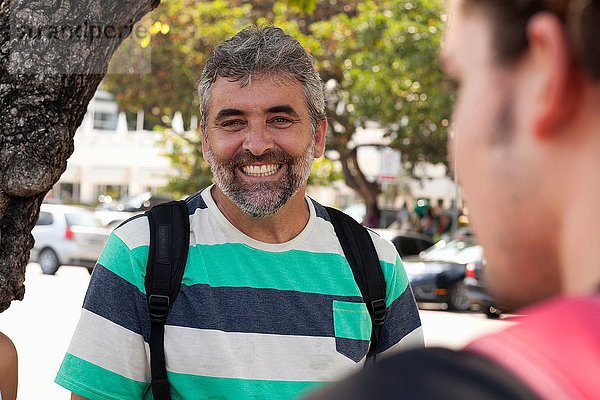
column 352, row 329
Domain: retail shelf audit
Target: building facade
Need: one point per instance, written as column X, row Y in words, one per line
column 111, row 160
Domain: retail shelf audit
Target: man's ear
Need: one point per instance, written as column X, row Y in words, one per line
column 203, row 138
column 320, row 137
column 559, row 82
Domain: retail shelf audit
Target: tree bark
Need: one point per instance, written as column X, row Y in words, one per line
column 355, row 179
column 53, row 55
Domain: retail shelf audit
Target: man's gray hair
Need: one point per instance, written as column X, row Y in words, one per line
column 255, row 52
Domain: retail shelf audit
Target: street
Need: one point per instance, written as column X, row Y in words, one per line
column 42, row 324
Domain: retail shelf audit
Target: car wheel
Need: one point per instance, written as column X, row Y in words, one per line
column 492, row 312
column 457, row 297
column 49, row 261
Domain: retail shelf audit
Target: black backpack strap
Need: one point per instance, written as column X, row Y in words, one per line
column 169, row 243
column 364, row 261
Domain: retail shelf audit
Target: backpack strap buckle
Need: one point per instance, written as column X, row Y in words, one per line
column 379, row 311
column 158, row 305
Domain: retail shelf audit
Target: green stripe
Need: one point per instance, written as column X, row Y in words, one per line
column 396, row 279
column 238, row 265
column 128, row 264
column 351, row 320
column 199, row 387
column 76, row 374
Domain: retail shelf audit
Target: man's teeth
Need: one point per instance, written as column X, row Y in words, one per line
column 260, row 170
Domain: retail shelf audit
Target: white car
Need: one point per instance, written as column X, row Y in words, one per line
column 67, row 235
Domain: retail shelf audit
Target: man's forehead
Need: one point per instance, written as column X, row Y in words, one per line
column 256, row 80
column 270, row 87
column 264, row 93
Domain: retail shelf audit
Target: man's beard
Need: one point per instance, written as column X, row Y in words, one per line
column 261, row 199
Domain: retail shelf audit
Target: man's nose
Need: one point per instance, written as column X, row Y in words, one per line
column 258, row 139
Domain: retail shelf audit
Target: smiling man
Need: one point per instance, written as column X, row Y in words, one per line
column 268, row 305
column 526, row 140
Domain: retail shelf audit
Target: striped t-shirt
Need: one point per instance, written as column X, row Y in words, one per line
column 252, row 320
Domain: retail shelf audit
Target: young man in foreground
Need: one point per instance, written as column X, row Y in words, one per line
column 526, row 137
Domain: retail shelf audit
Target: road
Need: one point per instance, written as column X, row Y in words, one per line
column 42, row 325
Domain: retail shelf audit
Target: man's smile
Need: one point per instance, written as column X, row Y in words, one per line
column 261, row 170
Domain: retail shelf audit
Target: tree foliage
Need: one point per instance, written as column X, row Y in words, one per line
column 191, row 171
column 377, row 57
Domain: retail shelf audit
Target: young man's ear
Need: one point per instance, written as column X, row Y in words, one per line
column 558, row 80
column 320, row 138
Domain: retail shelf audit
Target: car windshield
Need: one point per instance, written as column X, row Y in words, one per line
column 137, row 201
column 458, row 251
column 82, row 219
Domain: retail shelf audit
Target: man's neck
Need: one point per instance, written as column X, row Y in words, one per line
column 580, row 253
column 283, row 226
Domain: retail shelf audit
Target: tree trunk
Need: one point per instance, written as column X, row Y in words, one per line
column 53, row 55
column 356, row 180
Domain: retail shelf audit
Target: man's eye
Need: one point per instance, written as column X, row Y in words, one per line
column 232, row 124
column 281, row 122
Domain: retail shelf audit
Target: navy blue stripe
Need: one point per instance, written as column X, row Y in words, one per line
column 195, row 201
column 117, row 300
column 229, row 309
column 401, row 319
column 320, row 211
column 244, row 309
column 352, row 348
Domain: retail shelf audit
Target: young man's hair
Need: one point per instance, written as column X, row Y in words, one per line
column 581, row 19
column 264, row 51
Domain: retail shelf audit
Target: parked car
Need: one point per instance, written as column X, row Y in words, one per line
column 111, row 219
column 411, row 243
column 407, row 243
column 141, row 202
column 67, row 235
column 111, row 214
column 476, row 291
column 437, row 274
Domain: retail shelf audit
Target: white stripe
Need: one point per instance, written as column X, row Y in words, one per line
column 221, row 230
column 254, row 356
column 218, row 354
column 216, row 235
column 209, row 227
column 134, row 233
column 414, row 340
column 385, row 249
column 110, row 346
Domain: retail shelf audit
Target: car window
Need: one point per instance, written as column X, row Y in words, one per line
column 459, row 251
column 45, row 218
column 81, row 219
column 408, row 246
column 470, row 254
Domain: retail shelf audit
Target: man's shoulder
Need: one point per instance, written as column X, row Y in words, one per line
column 196, row 202
column 385, row 249
column 537, row 349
